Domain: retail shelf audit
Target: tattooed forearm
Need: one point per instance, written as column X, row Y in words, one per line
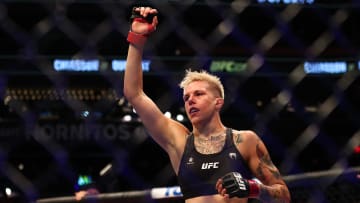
column 265, row 163
column 276, row 194
column 268, row 173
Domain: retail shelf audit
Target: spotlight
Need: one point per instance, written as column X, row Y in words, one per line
column 180, row 117
column 8, row 191
column 21, row 166
column 85, row 114
column 127, row 118
column 167, row 114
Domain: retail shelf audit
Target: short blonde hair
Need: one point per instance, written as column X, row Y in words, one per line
column 202, row 75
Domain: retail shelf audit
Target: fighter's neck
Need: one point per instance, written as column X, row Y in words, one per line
column 209, row 130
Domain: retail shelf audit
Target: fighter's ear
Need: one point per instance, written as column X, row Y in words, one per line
column 219, row 102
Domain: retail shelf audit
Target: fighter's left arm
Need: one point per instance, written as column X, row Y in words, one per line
column 273, row 187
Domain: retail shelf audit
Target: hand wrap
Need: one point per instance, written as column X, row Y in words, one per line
column 237, row 186
column 140, row 38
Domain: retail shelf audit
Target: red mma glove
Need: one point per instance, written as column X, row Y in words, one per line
column 141, row 27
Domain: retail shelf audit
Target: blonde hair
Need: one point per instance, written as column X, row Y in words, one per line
column 202, row 75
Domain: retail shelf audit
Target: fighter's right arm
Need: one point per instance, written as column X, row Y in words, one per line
column 137, row 37
column 161, row 128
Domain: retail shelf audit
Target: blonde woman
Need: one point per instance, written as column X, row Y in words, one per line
column 213, row 163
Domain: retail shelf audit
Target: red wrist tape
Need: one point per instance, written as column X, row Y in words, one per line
column 254, row 188
column 136, row 39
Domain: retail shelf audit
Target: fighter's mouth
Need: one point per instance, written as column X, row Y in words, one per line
column 193, row 110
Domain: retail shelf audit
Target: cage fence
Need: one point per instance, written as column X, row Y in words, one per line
column 290, row 72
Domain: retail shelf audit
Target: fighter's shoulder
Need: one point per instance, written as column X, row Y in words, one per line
column 178, row 130
column 246, row 141
column 245, row 133
column 244, row 136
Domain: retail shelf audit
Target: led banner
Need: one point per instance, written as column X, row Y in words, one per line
column 76, row 65
column 213, row 65
column 328, row 67
column 119, row 65
column 229, row 66
column 304, row 2
column 70, row 132
column 286, row 1
column 94, row 65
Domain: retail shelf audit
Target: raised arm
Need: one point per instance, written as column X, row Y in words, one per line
column 161, row 128
column 137, row 37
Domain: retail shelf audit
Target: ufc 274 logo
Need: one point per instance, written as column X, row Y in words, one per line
column 210, row 165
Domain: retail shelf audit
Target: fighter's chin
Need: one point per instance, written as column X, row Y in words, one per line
column 194, row 120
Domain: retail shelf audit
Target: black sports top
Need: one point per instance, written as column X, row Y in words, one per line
column 198, row 172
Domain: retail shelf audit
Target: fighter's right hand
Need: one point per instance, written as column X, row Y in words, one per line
column 143, row 22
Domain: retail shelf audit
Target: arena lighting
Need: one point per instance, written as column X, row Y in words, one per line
column 127, row 118
column 357, row 150
column 84, row 180
column 21, row 166
column 180, row 117
column 105, row 170
column 8, row 191
column 167, row 114
column 37, row 94
column 84, row 114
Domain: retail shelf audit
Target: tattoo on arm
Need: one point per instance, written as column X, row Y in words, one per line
column 278, row 193
column 238, row 138
column 265, row 163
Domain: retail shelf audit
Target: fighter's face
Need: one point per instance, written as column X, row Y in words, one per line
column 200, row 101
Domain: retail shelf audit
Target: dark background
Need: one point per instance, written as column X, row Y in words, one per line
column 308, row 122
